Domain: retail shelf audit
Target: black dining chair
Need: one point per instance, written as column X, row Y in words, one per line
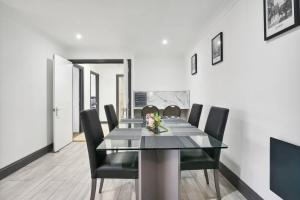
column 195, row 114
column 111, row 117
column 123, row 165
column 208, row 158
column 172, row 111
column 149, row 109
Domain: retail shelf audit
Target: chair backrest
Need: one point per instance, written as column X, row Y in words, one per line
column 94, row 136
column 111, row 117
column 195, row 114
column 149, row 109
column 215, row 127
column 172, row 111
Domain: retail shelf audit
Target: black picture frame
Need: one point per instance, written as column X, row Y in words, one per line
column 296, row 19
column 194, row 64
column 217, row 51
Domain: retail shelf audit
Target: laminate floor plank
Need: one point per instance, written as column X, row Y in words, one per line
column 66, row 176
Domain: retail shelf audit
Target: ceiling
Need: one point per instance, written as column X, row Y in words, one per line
column 137, row 26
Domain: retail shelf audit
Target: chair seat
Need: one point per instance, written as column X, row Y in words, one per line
column 122, row 165
column 196, row 159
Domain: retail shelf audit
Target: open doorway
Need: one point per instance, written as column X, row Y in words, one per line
column 110, row 90
column 120, row 97
column 78, row 99
column 103, row 87
column 94, row 90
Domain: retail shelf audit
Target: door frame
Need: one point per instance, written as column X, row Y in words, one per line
column 81, row 92
column 117, row 93
column 129, row 65
column 113, row 61
column 97, row 88
column 97, row 61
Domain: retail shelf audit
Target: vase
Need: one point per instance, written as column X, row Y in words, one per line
column 156, row 130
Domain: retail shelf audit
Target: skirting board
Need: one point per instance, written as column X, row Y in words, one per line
column 244, row 189
column 4, row 172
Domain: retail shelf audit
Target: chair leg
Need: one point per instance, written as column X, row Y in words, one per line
column 137, row 189
column 101, row 185
column 216, row 177
column 93, row 188
column 206, row 176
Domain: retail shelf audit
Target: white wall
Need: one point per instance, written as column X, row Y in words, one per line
column 93, row 82
column 149, row 72
column 98, row 53
column 25, row 88
column 258, row 81
column 76, row 100
column 86, row 85
column 159, row 73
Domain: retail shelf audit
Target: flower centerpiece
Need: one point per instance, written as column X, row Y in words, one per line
column 153, row 122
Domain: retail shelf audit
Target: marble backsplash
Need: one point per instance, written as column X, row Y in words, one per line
column 162, row 99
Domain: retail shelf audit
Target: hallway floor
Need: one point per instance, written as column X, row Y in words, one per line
column 66, row 176
column 79, row 137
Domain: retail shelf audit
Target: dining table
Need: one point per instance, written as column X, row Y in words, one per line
column 158, row 153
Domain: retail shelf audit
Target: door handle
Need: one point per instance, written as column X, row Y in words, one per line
column 56, row 111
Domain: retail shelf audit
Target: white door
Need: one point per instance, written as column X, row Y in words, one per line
column 62, row 102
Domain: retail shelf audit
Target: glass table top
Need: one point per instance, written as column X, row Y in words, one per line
column 132, row 120
column 162, row 142
column 184, row 136
column 138, row 120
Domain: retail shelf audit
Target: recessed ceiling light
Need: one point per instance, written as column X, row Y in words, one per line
column 164, row 41
column 78, row 36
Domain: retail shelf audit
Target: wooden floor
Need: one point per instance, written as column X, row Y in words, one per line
column 66, row 176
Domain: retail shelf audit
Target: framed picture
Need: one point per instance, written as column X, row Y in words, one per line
column 194, row 64
column 280, row 16
column 217, row 49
